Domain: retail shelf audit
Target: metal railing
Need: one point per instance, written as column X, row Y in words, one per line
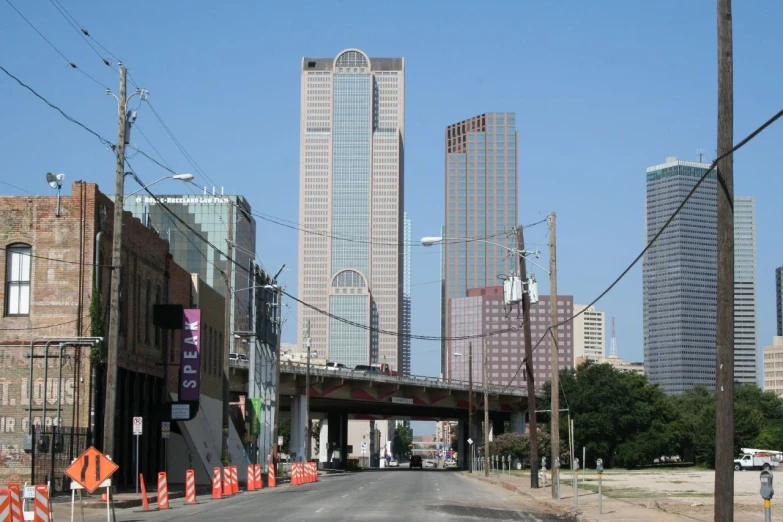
column 414, row 380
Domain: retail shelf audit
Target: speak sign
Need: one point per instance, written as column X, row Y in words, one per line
column 190, row 369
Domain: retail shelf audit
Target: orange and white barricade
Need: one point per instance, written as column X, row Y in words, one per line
column 257, row 476
column 190, row 487
column 145, row 504
column 294, row 473
column 41, row 508
column 227, row 489
column 16, row 503
column 217, row 488
column 271, row 478
column 163, row 491
column 234, row 480
column 251, row 477
column 5, row 505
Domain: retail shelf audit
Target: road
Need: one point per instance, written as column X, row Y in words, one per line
column 391, row 494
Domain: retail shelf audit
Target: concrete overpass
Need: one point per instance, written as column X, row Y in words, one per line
column 337, row 395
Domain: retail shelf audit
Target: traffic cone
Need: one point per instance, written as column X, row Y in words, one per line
column 227, row 490
column 16, row 503
column 145, row 504
column 5, row 505
column 163, row 491
column 190, row 487
column 234, row 480
column 41, row 507
column 217, row 491
column 257, row 476
column 251, row 477
column 271, row 479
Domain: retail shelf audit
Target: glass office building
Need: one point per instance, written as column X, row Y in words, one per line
column 209, row 215
column 779, row 298
column 351, row 207
column 745, row 331
column 481, row 202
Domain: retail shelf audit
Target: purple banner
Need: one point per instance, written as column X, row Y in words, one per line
column 190, row 371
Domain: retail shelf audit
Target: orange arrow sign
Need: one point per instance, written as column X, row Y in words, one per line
column 91, row 469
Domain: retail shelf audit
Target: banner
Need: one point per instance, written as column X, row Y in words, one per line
column 190, row 369
column 254, row 416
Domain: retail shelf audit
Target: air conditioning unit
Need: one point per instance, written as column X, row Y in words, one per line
column 512, row 290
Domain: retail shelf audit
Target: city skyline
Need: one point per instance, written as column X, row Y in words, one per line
column 351, row 201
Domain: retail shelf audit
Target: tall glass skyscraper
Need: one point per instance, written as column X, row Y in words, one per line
column 679, row 280
column 351, row 206
column 481, row 202
column 779, row 298
column 745, row 332
column 405, row 369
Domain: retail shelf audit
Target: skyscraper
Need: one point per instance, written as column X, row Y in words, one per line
column 351, row 172
column 405, row 368
column 679, row 280
column 589, row 334
column 481, row 202
column 779, row 298
column 745, row 335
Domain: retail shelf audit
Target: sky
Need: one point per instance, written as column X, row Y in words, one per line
column 601, row 90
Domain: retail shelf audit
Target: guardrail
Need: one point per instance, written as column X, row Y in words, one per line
column 239, row 363
column 414, row 380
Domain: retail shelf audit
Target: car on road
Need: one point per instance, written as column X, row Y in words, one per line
column 430, row 464
column 416, row 462
column 394, row 464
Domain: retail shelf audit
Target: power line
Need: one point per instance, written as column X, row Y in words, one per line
column 17, row 188
column 80, row 30
column 35, row 256
column 712, row 167
column 68, row 62
column 42, row 327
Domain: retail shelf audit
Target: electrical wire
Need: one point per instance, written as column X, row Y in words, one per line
column 17, row 188
column 65, row 261
column 704, row 176
column 68, row 62
column 80, row 30
column 42, row 327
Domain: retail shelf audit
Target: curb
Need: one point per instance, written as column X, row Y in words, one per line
column 136, row 502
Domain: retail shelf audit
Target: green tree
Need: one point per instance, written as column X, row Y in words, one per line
column 518, row 445
column 285, row 432
column 402, row 439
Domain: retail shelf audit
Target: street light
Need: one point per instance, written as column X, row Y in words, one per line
column 432, row 240
column 186, row 178
column 56, row 182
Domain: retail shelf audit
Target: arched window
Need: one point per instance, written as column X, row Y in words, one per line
column 17, row 279
column 352, row 59
column 347, row 279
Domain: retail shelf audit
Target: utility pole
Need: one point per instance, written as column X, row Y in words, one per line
column 227, row 336
column 724, row 389
column 278, row 321
column 486, row 412
column 113, row 346
column 307, row 433
column 470, row 402
column 530, row 381
column 555, row 391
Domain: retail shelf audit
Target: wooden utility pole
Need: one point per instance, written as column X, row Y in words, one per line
column 555, row 391
column 530, row 381
column 470, row 404
column 307, row 433
column 486, row 410
column 109, row 416
column 227, row 336
column 724, row 389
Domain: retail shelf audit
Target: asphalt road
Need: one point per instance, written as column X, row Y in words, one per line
column 392, row 494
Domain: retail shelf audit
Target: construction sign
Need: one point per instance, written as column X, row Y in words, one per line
column 91, row 469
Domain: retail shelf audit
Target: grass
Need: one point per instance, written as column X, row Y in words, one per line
column 637, row 493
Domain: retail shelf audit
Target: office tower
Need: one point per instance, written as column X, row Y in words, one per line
column 773, row 366
column 481, row 313
column 679, row 277
column 351, row 172
column 209, row 215
column 745, row 336
column 589, row 334
column 679, row 280
column 481, row 202
column 405, row 368
column 779, row 298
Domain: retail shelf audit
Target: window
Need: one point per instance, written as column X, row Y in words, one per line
column 148, row 306
column 17, row 280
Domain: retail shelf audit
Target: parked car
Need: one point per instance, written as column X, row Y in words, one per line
column 416, row 462
column 430, row 464
column 394, row 464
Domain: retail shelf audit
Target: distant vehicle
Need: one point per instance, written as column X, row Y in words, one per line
column 416, row 462
column 451, row 463
column 754, row 459
column 233, row 357
column 243, row 357
column 394, row 464
column 383, row 368
column 429, row 464
column 366, row 369
column 334, row 366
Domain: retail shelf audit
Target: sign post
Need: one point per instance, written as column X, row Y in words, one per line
column 91, row 470
column 138, row 429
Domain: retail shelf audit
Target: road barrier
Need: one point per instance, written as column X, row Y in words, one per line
column 295, row 479
column 163, row 491
column 42, row 509
column 190, row 487
column 251, row 477
column 227, row 489
column 234, row 480
column 145, row 504
column 16, row 503
column 5, row 505
column 257, row 476
column 271, row 478
column 217, row 488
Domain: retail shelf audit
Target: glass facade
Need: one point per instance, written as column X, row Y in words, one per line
column 779, row 298
column 209, row 215
column 405, row 367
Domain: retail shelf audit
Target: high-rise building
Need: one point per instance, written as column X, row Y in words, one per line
column 589, row 333
column 773, row 366
column 779, row 298
column 679, row 277
column 745, row 335
column 405, row 368
column 352, row 131
column 479, row 314
column 209, row 215
column 481, row 202
column 679, row 280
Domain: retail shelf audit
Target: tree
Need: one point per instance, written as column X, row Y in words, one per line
column 285, row 432
column 402, row 439
column 518, row 445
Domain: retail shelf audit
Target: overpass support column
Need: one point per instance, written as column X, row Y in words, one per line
column 498, row 426
column 463, row 448
column 338, row 439
column 517, row 423
column 323, row 445
column 297, row 428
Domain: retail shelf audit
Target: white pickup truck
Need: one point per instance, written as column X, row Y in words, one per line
column 750, row 461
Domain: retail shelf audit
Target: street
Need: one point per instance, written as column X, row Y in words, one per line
column 395, row 494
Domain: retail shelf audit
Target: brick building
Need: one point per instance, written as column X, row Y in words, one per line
column 481, row 313
column 52, row 260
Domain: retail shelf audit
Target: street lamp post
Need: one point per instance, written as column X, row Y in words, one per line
column 307, row 400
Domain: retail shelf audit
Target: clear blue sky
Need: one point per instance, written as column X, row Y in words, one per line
column 601, row 90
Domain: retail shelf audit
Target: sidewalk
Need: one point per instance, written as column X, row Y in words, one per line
column 614, row 510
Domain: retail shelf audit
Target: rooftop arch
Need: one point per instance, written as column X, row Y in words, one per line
column 352, row 58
